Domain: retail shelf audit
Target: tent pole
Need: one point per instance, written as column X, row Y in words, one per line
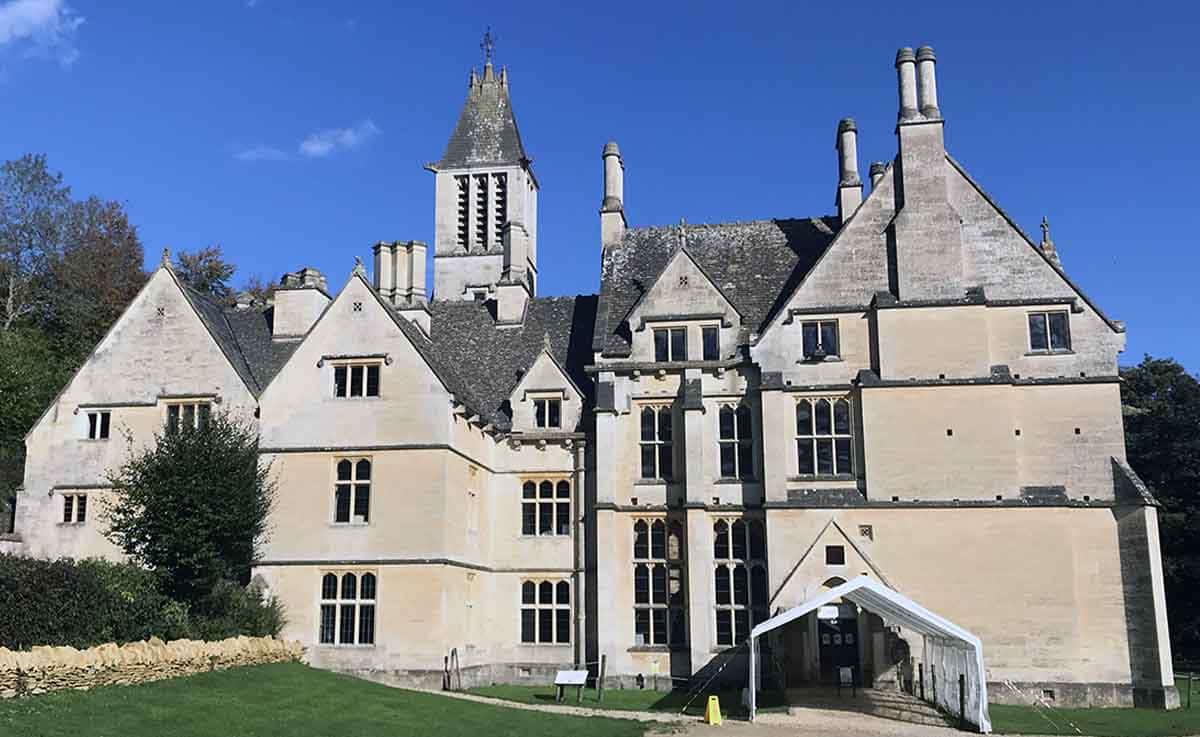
column 753, row 690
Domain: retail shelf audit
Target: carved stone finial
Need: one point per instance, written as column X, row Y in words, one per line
column 487, row 46
column 1047, row 244
column 359, row 268
column 166, row 257
column 682, row 232
column 546, row 342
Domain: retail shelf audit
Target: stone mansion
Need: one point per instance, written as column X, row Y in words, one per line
column 748, row 413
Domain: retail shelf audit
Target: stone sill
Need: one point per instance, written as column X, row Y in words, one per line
column 817, row 361
column 10, row 537
column 657, row 649
column 735, row 481
column 822, row 477
column 1057, row 352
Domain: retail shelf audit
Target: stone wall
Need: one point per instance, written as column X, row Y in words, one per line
column 45, row 669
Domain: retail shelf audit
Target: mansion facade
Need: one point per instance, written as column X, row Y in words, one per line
column 748, row 413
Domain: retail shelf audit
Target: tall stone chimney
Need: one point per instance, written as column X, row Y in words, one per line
column 513, row 290
column 927, row 232
column 612, row 209
column 300, row 299
column 849, row 192
column 400, row 279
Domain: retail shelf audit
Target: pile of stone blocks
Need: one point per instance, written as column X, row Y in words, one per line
column 44, row 669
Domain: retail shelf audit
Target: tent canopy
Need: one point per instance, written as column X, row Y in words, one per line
column 946, row 644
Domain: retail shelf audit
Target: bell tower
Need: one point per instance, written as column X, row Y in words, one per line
column 486, row 196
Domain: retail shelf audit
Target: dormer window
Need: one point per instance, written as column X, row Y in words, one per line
column 820, row 339
column 356, row 380
column 670, row 344
column 710, row 342
column 547, row 413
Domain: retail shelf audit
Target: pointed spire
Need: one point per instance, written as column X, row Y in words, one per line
column 486, row 132
column 1047, row 245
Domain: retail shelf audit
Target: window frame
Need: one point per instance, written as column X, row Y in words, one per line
column 75, row 508
column 662, row 448
column 738, row 444
column 555, row 608
column 348, row 384
column 726, row 563
column 557, row 506
column 660, row 609
column 714, row 330
column 354, row 484
column 1045, row 316
column 671, row 332
column 545, row 408
column 835, row 438
column 179, row 411
column 821, row 352
column 339, row 602
column 99, row 424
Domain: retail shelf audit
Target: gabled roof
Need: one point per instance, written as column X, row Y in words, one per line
column 680, row 252
column 487, row 361
column 244, row 336
column 754, row 264
column 486, row 132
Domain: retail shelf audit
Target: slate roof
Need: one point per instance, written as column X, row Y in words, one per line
column 244, row 336
column 486, row 132
column 756, row 265
column 482, row 363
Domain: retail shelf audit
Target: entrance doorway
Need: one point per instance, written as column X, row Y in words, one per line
column 838, row 646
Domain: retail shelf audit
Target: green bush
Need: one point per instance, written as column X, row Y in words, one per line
column 85, row 603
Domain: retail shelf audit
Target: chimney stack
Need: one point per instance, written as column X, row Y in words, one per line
column 928, row 82
column 927, row 231
column 877, row 170
column 849, row 193
column 299, row 300
column 906, row 74
column 612, row 209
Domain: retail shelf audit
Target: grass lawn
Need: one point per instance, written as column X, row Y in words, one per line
column 283, row 700
column 1101, row 722
column 635, row 699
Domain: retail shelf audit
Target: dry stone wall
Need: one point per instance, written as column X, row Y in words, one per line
column 45, row 669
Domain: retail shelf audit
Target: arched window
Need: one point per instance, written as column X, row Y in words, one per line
column 546, row 507
column 824, row 437
column 545, row 612
column 347, row 609
column 740, row 578
column 658, row 461
column 658, row 595
column 352, row 492
column 735, row 442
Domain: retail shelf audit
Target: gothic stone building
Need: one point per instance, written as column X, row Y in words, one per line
column 747, row 413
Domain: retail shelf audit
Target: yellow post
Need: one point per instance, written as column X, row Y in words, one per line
column 712, row 713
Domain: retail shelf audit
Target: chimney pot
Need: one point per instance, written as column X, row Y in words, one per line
column 906, row 74
column 612, row 207
column 877, row 170
column 928, row 82
column 849, row 193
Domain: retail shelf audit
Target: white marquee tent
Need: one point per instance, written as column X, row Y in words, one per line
column 948, row 647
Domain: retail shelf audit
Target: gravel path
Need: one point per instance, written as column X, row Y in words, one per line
column 803, row 723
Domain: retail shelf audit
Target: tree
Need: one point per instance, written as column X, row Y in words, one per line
column 206, row 271
column 94, row 279
column 33, row 209
column 259, row 288
column 1161, row 403
column 194, row 506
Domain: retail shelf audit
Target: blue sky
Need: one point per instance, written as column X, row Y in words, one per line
column 294, row 133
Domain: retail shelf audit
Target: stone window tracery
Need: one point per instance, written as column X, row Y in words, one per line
column 352, row 492
column 347, row 609
column 659, row 599
column 546, row 612
column 546, row 507
column 735, row 442
column 657, row 448
column 824, row 439
column 740, row 578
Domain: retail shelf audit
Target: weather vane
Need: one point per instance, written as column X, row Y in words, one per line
column 487, row 45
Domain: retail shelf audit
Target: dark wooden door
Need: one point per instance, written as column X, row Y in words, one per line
column 838, row 643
